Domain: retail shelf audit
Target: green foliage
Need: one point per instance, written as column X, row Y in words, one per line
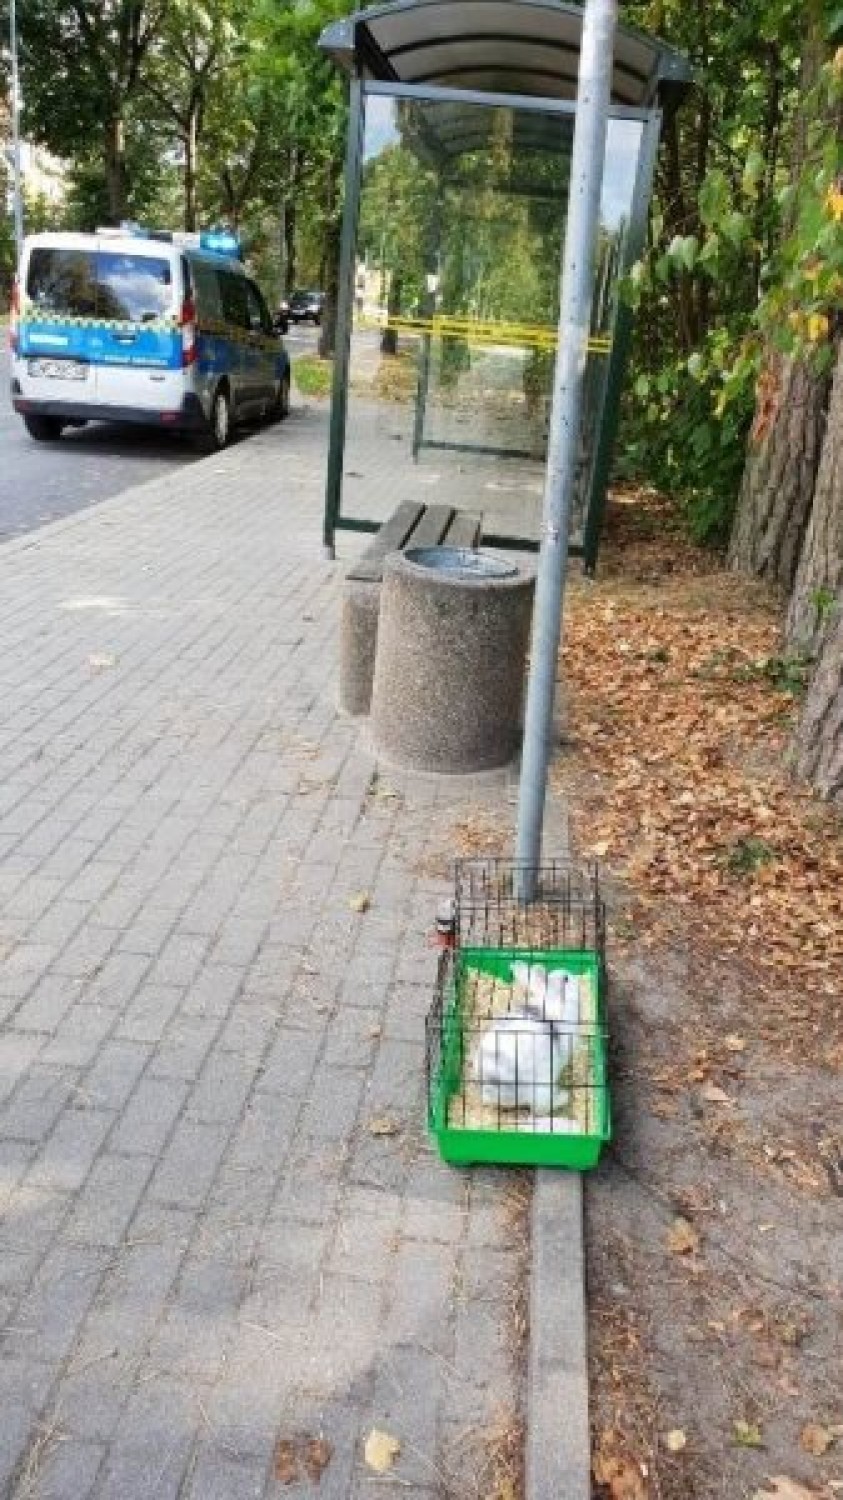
column 744, row 254
column 824, row 601
column 238, row 87
column 678, row 435
column 747, row 855
column 786, row 674
column 313, row 376
column 396, row 207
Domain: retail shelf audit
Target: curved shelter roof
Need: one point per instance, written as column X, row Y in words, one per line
column 499, row 46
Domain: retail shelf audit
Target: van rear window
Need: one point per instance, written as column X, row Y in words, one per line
column 102, row 284
column 133, row 286
column 62, row 281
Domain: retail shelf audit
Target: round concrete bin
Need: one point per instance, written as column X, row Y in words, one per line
column 449, row 673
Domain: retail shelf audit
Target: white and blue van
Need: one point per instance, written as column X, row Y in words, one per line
column 158, row 328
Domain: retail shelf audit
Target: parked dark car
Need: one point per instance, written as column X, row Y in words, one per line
column 306, row 307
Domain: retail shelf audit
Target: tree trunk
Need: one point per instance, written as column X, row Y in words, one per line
column 781, row 469
column 190, row 160
column 328, row 330
column 784, row 448
column 291, row 219
column 820, row 570
column 331, row 261
column 818, row 747
column 115, row 167
column 389, row 337
column 289, row 246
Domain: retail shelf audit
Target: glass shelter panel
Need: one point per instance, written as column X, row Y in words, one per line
column 459, row 239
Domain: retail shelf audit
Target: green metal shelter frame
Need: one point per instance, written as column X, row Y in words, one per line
column 521, row 55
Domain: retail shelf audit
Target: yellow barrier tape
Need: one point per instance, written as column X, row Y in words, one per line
column 535, row 335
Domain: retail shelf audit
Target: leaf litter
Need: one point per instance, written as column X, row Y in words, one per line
column 723, row 879
column 681, row 735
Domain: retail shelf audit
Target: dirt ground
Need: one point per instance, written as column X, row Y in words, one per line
column 715, row 1222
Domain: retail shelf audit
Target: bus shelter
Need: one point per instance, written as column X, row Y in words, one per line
column 456, row 195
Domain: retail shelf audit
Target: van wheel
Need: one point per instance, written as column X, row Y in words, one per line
column 280, row 407
column 44, row 429
column 218, row 432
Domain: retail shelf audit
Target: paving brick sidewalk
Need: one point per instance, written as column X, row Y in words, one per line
column 204, row 1249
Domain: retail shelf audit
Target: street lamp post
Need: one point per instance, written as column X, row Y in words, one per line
column 18, row 198
column 576, row 291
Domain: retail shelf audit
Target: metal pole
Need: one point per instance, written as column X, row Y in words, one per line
column 18, row 198
column 282, row 246
column 345, row 312
column 593, row 97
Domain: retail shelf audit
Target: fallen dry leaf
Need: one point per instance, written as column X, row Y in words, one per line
column 360, row 902
column 682, row 1238
column 782, row 1488
column 714, row 1095
column 384, row 1125
column 615, row 1470
column 381, row 1451
column 318, row 1453
column 676, row 1440
column 747, row 1434
column 816, row 1439
column 285, row 1462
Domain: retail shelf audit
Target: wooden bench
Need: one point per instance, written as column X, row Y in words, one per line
column 410, row 525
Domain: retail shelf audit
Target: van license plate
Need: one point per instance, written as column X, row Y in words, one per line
column 58, row 369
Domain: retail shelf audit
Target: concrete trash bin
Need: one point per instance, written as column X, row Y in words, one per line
column 453, row 634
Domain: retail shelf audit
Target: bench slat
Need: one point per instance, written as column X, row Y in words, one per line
column 415, row 525
column 432, row 526
column 391, row 538
column 464, row 531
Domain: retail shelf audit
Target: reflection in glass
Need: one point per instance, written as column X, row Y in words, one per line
column 459, row 240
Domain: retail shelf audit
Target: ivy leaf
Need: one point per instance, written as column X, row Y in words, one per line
column 735, row 227
column 714, row 198
column 753, row 172
column 710, row 250
column 689, row 251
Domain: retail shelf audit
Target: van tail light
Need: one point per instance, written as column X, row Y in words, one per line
column 187, row 320
column 14, row 317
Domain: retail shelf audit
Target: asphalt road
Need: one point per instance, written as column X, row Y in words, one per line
column 39, row 482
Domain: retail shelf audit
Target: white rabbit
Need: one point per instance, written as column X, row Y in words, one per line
column 517, row 1063
column 554, row 995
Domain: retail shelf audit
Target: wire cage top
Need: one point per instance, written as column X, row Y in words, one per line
column 565, row 911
